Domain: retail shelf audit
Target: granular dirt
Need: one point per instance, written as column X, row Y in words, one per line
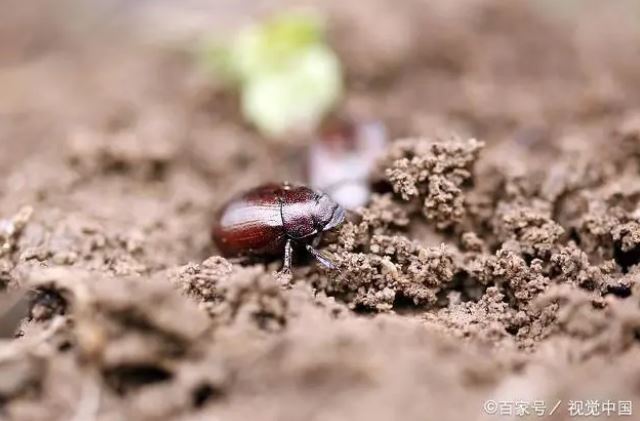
column 498, row 258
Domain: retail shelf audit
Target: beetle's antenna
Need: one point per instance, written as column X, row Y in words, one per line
column 320, row 258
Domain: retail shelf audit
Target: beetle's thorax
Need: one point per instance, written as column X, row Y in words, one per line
column 297, row 224
column 297, row 210
column 305, row 213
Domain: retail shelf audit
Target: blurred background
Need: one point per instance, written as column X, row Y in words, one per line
column 527, row 76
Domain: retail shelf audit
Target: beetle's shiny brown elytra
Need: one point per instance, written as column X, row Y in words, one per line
column 268, row 220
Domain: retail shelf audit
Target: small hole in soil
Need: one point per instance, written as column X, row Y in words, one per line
column 265, row 319
column 589, row 285
column 509, row 297
column 469, row 289
column 381, row 186
column 126, row 377
column 528, row 259
column 64, row 346
column 626, row 259
column 512, row 330
column 362, row 309
column 622, row 291
column 402, row 302
column 573, row 235
column 205, row 393
column 158, row 170
column 47, row 303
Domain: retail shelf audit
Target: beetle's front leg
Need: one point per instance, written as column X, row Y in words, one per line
column 320, row 258
column 288, row 255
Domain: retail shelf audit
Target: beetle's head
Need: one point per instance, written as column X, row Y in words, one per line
column 328, row 213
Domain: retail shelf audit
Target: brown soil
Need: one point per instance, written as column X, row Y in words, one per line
column 501, row 268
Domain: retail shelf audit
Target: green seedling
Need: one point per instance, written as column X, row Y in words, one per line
column 288, row 76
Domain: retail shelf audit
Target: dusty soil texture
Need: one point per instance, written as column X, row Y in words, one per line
column 497, row 260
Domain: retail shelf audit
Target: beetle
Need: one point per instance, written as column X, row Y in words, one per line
column 270, row 219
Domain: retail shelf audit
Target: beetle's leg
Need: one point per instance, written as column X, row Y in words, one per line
column 288, row 253
column 320, row 258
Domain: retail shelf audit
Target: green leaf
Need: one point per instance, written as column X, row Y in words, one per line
column 289, row 78
column 296, row 97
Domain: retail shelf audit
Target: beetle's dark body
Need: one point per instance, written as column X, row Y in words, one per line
column 266, row 220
